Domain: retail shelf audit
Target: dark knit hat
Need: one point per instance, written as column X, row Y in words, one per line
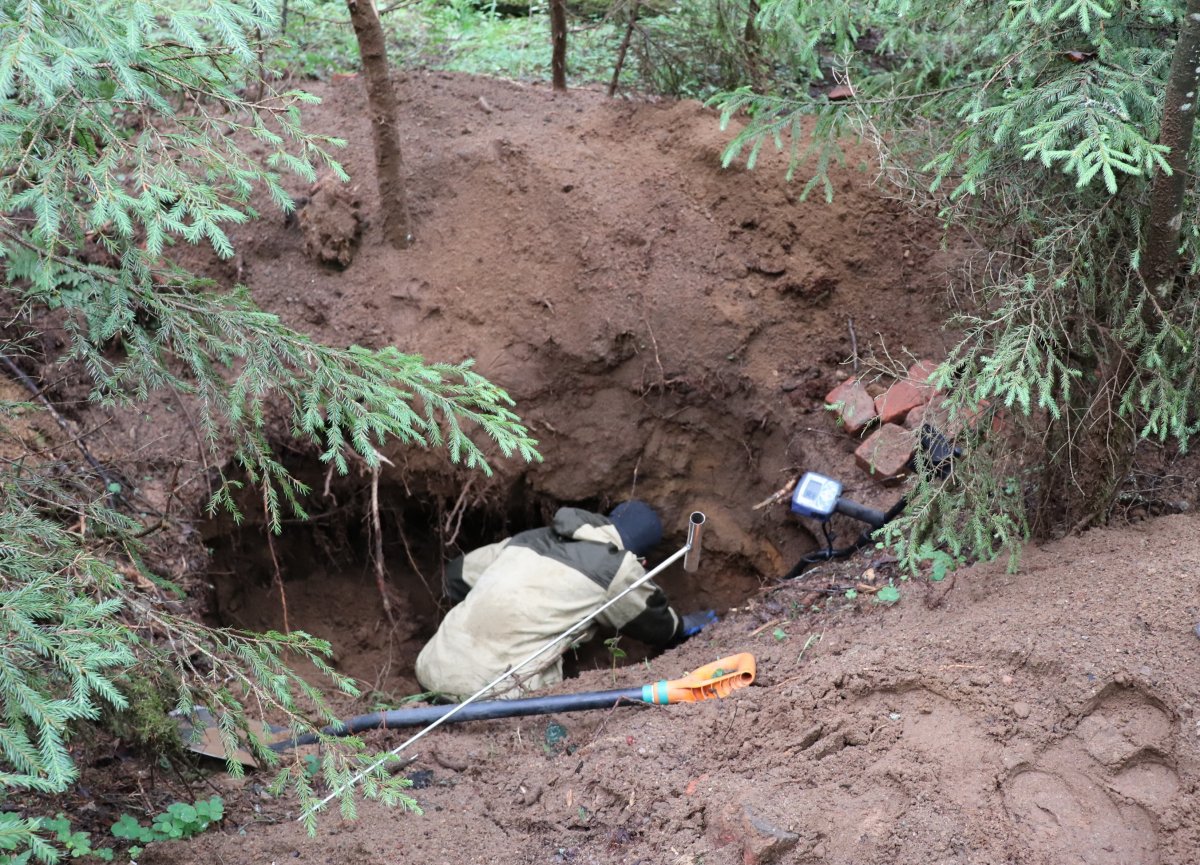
column 638, row 525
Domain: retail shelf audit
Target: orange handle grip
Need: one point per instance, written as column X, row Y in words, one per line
column 718, row 679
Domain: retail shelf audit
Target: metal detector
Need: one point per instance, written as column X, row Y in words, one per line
column 819, row 497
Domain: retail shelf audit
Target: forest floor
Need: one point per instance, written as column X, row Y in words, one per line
column 669, row 330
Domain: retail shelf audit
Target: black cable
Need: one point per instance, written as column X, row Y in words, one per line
column 864, row 539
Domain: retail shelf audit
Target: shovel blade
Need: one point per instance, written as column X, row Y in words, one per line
column 201, row 735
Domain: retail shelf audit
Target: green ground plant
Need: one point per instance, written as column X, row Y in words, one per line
column 56, row 839
column 616, row 653
column 888, row 594
column 125, row 130
column 178, row 822
column 47, row 839
column 1061, row 131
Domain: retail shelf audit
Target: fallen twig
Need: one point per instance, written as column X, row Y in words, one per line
column 455, row 517
column 762, row 628
column 853, row 344
column 278, row 577
column 779, row 495
column 437, row 599
column 397, row 768
column 377, row 531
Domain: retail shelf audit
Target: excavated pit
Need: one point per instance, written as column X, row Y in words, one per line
column 329, row 584
column 668, row 330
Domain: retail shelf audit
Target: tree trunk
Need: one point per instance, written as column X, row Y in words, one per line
column 381, row 104
column 1107, row 448
column 633, row 15
column 750, row 35
column 558, row 37
column 1160, row 260
column 753, row 48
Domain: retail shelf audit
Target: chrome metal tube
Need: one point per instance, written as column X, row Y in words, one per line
column 691, row 558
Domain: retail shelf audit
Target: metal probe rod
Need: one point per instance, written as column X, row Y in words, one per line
column 693, row 538
column 691, row 559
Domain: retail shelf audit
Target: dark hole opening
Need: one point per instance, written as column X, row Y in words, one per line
column 330, row 590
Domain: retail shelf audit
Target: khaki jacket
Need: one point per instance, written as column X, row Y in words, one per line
column 515, row 596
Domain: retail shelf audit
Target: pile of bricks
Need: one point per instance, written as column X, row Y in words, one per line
column 897, row 413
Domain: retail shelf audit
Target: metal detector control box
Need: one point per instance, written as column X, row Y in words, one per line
column 816, row 496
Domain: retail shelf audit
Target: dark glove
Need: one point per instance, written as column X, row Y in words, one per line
column 694, row 623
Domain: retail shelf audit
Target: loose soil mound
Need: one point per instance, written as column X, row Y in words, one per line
column 1048, row 717
column 669, row 329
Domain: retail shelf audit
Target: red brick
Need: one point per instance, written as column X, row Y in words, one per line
column 885, row 454
column 854, row 406
column 762, row 842
column 920, row 371
column 900, row 399
column 967, row 419
column 937, row 415
column 919, row 374
column 933, row 413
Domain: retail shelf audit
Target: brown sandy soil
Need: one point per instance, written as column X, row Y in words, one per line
column 669, row 330
column 1049, row 717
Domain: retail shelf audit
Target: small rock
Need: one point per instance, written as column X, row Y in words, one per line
column 886, row 454
column 1014, row 757
column 332, row 223
column 556, row 736
column 448, row 762
column 762, row 842
column 768, row 266
column 853, row 405
column 810, row 735
column 857, row 736
column 421, row 779
column 1021, row 710
column 1196, row 630
column 831, row 744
